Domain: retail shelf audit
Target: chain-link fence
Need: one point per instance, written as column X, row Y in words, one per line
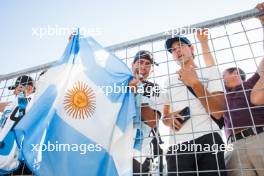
column 234, row 41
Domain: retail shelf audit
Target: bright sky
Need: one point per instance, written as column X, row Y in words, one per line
column 110, row 22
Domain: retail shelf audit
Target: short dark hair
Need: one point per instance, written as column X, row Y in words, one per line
column 242, row 74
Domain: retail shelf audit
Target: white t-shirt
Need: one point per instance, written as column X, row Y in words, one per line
column 178, row 97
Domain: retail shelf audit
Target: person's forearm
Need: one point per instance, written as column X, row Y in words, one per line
column 261, row 68
column 149, row 116
column 257, row 93
column 213, row 103
column 166, row 111
column 207, row 55
column 3, row 105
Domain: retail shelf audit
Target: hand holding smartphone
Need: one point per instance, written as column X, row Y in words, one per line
column 185, row 114
column 175, row 120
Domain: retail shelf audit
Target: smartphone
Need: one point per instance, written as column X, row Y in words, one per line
column 185, row 114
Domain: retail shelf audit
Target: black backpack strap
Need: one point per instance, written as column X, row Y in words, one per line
column 219, row 122
column 157, row 150
column 156, row 141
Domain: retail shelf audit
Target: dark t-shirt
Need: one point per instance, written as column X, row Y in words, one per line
column 151, row 89
column 242, row 112
column 152, row 92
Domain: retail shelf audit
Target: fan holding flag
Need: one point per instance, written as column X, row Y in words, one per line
column 72, row 112
column 12, row 114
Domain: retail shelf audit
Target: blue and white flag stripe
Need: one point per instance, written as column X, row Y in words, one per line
column 109, row 124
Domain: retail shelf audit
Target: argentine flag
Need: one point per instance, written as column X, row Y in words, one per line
column 77, row 125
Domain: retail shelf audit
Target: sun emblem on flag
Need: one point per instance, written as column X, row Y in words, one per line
column 79, row 101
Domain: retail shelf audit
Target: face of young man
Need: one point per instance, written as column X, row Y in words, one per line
column 181, row 52
column 231, row 79
column 142, row 67
column 27, row 89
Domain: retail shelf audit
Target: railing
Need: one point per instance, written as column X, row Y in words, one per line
column 241, row 48
column 154, row 37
